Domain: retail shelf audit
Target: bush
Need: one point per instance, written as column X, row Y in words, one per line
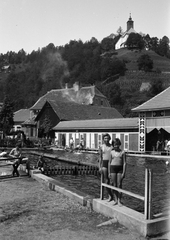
column 145, row 63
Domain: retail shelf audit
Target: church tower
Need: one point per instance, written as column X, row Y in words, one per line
column 129, row 23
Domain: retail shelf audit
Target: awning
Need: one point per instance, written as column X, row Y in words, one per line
column 157, row 123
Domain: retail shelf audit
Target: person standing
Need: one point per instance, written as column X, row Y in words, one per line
column 117, row 169
column 16, row 153
column 104, row 157
column 71, row 143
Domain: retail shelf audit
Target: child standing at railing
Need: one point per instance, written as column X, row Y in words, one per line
column 104, row 157
column 117, row 169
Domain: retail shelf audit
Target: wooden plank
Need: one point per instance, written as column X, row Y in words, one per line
column 124, row 191
column 147, row 155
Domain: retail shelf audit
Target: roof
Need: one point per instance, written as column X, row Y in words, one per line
column 72, row 111
column 29, row 121
column 119, row 123
column 131, row 30
column 21, row 115
column 159, row 102
column 82, row 96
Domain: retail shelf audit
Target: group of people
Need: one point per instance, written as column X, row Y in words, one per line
column 17, row 155
column 112, row 165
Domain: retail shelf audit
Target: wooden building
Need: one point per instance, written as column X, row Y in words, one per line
column 91, row 131
column 56, row 112
column 154, row 121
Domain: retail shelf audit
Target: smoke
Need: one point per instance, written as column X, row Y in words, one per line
column 77, row 95
column 55, row 68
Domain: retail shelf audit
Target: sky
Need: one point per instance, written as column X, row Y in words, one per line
column 33, row 24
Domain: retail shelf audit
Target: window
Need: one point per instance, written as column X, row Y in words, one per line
column 158, row 113
column 126, row 142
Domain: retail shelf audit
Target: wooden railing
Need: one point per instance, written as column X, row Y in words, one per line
column 148, row 193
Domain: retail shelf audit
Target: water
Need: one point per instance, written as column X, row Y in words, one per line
column 134, row 180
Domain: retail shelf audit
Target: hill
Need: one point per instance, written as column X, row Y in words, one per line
column 114, row 72
column 131, row 57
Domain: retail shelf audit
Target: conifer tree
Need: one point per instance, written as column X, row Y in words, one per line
column 6, row 116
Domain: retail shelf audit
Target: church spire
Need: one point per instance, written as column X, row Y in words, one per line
column 130, row 23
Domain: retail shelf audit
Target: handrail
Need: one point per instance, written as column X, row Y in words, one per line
column 148, row 192
column 147, row 155
column 124, row 191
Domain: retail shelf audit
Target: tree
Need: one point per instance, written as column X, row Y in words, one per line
column 108, row 44
column 120, row 31
column 111, row 66
column 6, row 116
column 147, row 41
column 163, row 46
column 46, row 127
column 135, row 40
column 156, row 87
column 145, row 63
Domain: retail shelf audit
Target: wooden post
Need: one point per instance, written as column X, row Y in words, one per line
column 150, row 194
column 146, row 194
column 101, row 188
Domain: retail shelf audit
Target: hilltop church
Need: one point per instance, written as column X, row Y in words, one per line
column 123, row 37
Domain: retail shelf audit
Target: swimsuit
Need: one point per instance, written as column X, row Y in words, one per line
column 106, row 151
column 105, row 163
column 116, row 169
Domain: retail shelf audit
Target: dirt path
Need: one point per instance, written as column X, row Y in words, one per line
column 32, row 212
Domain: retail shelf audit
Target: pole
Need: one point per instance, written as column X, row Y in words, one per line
column 146, row 194
column 150, row 194
column 101, row 187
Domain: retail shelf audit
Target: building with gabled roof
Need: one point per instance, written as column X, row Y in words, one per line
column 84, row 95
column 20, row 116
column 67, row 111
column 154, row 118
column 24, row 121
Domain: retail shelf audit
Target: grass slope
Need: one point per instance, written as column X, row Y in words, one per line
column 131, row 57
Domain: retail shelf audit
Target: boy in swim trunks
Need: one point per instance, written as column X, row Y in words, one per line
column 117, row 169
column 104, row 156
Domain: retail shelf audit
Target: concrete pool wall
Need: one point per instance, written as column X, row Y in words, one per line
column 128, row 217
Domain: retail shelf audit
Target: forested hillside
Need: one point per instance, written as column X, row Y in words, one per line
column 26, row 77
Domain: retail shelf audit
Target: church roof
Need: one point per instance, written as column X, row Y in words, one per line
column 131, row 30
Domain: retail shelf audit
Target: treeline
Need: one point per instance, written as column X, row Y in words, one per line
column 32, row 75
